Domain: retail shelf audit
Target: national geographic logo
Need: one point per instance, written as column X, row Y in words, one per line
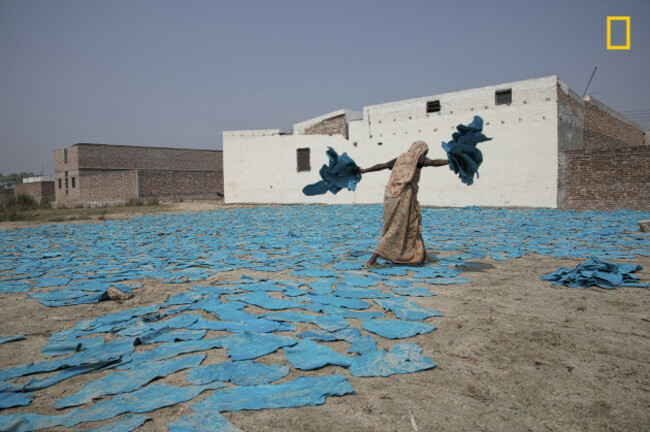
column 618, row 20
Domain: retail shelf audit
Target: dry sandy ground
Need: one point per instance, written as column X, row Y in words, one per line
column 514, row 353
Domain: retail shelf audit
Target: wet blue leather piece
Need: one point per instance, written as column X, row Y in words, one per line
column 326, row 322
column 317, row 272
column 595, row 272
column 464, row 158
column 130, row 380
column 150, row 398
column 359, row 343
column 358, row 280
column 265, row 301
column 299, row 392
column 203, row 422
column 359, row 293
column 308, row 355
column 341, row 172
column 394, row 329
column 11, row 338
column 252, row 325
column 10, row 399
column 339, row 301
column 405, row 309
column 105, row 352
column 241, row 373
column 170, row 350
column 126, row 423
column 323, row 286
column 248, row 346
column 401, row 359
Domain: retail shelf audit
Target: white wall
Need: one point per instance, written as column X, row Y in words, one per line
column 519, row 168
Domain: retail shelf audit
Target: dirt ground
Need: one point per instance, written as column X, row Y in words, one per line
column 514, row 353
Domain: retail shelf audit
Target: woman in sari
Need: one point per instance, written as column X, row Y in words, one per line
column 401, row 239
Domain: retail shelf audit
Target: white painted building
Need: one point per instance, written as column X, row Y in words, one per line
column 520, row 165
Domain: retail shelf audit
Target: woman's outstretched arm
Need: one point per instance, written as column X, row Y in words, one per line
column 435, row 162
column 378, row 167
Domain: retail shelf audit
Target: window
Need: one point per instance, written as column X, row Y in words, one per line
column 503, row 97
column 65, row 156
column 59, row 183
column 72, row 181
column 303, row 159
column 433, row 106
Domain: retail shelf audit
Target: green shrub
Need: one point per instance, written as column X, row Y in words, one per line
column 12, row 207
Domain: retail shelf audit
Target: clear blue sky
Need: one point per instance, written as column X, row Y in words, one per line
column 179, row 73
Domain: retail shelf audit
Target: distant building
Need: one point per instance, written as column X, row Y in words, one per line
column 550, row 148
column 41, row 188
column 100, row 174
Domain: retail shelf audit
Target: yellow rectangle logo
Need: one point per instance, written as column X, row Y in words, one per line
column 609, row 32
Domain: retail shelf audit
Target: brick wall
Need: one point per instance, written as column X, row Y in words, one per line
column 108, row 188
column 605, row 130
column 180, row 184
column 106, row 157
column 105, row 174
column 118, row 187
column 604, row 163
column 40, row 191
column 608, row 179
column 332, row 126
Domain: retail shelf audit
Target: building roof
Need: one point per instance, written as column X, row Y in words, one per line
column 147, row 147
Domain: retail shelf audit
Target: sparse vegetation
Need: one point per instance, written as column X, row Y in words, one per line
column 23, row 208
column 138, row 202
column 14, row 207
column 15, row 178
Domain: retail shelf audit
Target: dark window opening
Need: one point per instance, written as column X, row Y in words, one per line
column 303, row 159
column 72, row 181
column 65, row 156
column 433, row 106
column 59, row 183
column 503, row 97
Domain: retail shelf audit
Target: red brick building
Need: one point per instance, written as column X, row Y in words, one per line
column 100, row 174
column 603, row 157
column 39, row 188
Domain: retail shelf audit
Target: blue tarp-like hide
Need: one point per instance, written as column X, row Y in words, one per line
column 326, row 322
column 342, row 172
column 170, row 350
column 129, row 380
column 308, row 355
column 406, row 309
column 395, row 329
column 464, row 157
column 596, row 272
column 402, row 358
column 11, row 338
column 126, row 423
column 9, row 399
column 202, row 422
column 248, row 346
column 150, row 398
column 358, row 343
column 241, row 373
column 299, row 392
column 106, row 352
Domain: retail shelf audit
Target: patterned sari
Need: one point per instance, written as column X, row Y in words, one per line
column 401, row 239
